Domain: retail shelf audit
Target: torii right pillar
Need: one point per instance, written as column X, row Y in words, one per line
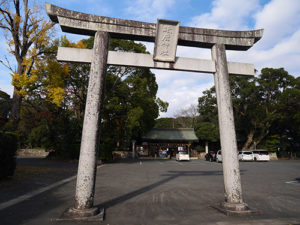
column 233, row 203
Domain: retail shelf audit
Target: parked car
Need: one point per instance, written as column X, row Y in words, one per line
column 219, row 156
column 245, row 156
column 261, row 155
column 182, row 156
column 210, row 156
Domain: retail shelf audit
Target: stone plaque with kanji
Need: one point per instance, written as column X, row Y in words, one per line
column 166, row 40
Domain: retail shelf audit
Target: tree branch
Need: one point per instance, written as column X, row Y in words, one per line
column 7, row 64
column 5, row 27
column 9, row 20
column 31, row 65
column 25, row 23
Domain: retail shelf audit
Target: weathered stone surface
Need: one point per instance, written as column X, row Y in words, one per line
column 88, row 215
column 236, row 209
column 85, row 187
column 230, row 162
column 217, row 40
column 146, row 60
column 87, row 24
column 166, row 40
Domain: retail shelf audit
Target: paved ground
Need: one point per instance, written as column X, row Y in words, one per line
column 34, row 173
column 170, row 192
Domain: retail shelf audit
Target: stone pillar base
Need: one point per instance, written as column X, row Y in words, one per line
column 238, row 209
column 94, row 215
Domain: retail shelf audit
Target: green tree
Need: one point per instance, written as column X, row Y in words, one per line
column 5, row 106
column 272, row 143
column 165, row 122
column 265, row 107
column 130, row 104
column 259, row 102
column 207, row 132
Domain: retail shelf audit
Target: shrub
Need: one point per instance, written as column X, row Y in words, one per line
column 8, row 149
column 63, row 139
column 200, row 148
column 105, row 151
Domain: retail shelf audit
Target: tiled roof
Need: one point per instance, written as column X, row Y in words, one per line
column 171, row 134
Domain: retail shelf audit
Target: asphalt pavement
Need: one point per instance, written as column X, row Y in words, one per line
column 171, row 192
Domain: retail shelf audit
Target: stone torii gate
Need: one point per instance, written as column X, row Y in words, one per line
column 167, row 35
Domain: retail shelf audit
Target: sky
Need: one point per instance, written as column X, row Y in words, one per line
column 279, row 46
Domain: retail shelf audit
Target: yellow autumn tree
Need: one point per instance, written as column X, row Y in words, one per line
column 50, row 78
column 27, row 34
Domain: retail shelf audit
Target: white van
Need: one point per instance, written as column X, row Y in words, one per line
column 260, row 155
column 180, row 156
column 219, row 156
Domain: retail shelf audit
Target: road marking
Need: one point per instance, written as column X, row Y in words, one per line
column 37, row 192
column 140, row 162
column 292, row 182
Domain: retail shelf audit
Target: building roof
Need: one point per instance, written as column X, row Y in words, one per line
column 171, row 134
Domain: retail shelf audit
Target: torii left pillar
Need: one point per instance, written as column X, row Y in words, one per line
column 87, row 167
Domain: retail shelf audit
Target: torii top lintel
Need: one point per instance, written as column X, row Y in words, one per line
column 87, row 24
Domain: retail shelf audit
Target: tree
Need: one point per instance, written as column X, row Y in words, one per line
column 259, row 103
column 165, row 122
column 130, row 104
column 265, row 107
column 57, row 99
column 27, row 34
column 53, row 107
column 5, row 105
column 207, row 132
column 187, row 117
column 207, row 127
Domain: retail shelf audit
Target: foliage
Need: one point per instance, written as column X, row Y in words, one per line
column 165, row 122
column 8, row 149
column 187, row 118
column 200, row 148
column 207, row 131
column 272, row 143
column 265, row 107
column 27, row 35
column 130, row 103
column 5, row 105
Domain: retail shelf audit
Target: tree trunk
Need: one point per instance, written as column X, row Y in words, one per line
column 16, row 102
column 16, row 107
column 249, row 140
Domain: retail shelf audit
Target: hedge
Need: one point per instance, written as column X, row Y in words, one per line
column 8, row 149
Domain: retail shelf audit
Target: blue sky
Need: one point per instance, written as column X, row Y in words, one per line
column 279, row 47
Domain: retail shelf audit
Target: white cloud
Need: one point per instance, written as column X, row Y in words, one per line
column 280, row 19
column 149, row 10
column 286, row 53
column 279, row 46
column 181, row 89
column 193, row 52
column 226, row 14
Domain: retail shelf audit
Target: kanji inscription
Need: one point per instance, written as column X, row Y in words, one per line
column 166, row 40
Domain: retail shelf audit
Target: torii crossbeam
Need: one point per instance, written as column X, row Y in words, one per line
column 167, row 35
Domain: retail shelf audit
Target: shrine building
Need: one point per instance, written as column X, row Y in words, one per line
column 158, row 141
